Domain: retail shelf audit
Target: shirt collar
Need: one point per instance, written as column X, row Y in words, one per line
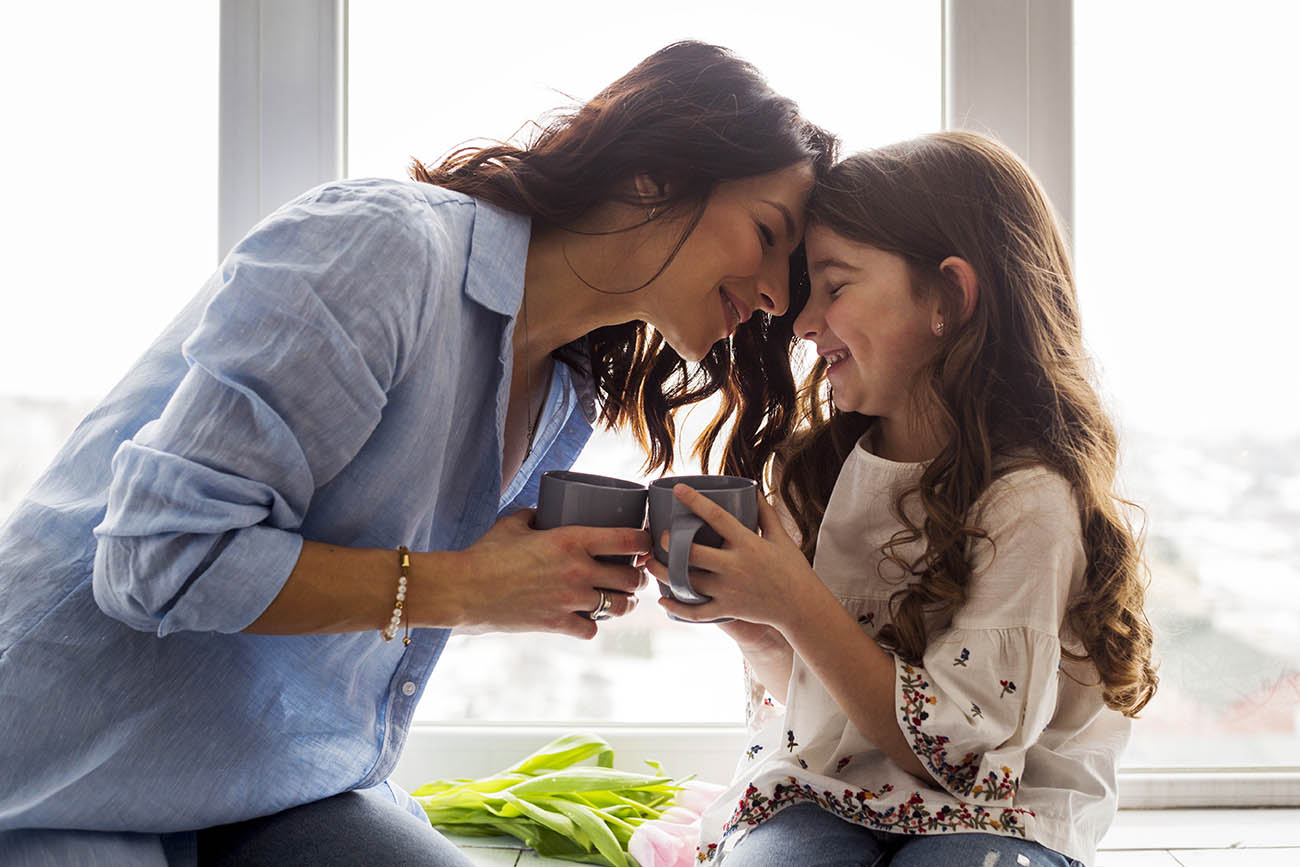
column 497, row 254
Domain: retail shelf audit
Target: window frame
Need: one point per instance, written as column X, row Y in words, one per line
column 1007, row 70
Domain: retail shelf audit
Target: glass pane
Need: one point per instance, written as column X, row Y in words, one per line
column 110, row 219
column 1186, row 187
column 873, row 77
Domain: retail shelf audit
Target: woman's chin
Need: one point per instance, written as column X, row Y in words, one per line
column 691, row 351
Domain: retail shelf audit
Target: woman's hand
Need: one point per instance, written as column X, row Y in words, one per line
column 517, row 579
column 755, row 577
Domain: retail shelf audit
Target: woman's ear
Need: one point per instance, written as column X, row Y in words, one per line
column 961, row 275
column 649, row 190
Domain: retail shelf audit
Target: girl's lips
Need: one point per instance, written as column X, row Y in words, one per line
column 837, row 360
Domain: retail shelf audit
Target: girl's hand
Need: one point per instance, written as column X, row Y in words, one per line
column 755, row 578
column 517, row 579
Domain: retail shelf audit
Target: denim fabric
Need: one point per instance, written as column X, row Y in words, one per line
column 353, row 828
column 343, row 377
column 809, row 836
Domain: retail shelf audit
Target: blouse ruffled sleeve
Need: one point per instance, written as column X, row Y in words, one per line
column 987, row 685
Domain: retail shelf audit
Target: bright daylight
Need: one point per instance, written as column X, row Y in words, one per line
column 272, row 411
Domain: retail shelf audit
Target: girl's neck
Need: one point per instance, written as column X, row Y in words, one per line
column 904, row 441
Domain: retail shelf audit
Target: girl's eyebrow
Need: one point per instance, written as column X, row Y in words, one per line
column 785, row 214
column 832, row 262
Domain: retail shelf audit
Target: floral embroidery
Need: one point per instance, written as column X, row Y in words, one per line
column 913, row 816
column 767, row 701
column 963, row 659
column 1007, row 686
column 754, row 750
column 960, row 777
column 975, row 709
column 867, row 619
column 995, row 788
column 801, row 762
column 839, row 766
column 790, row 742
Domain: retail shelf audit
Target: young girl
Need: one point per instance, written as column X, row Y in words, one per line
column 959, row 671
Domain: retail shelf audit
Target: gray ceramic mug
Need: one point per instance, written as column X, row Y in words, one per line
column 737, row 495
column 566, row 498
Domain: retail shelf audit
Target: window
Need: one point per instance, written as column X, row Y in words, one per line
column 1183, row 183
column 873, row 77
column 1186, row 181
column 110, row 156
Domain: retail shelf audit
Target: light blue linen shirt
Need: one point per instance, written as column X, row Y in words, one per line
column 344, row 378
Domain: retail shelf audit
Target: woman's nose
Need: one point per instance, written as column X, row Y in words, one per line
column 774, row 290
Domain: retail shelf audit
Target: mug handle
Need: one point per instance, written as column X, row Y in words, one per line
column 680, row 538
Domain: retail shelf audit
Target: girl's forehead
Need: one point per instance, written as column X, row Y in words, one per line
column 827, row 248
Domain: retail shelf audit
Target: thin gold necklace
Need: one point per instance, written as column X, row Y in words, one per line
column 528, row 385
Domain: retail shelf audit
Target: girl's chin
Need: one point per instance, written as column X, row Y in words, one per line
column 844, row 404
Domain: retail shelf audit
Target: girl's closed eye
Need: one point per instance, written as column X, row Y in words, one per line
column 767, row 235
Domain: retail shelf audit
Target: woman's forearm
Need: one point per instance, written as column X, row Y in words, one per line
column 338, row 589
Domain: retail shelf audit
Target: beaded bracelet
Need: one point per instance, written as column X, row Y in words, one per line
column 399, row 607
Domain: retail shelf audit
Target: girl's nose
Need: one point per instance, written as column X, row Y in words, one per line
column 808, row 323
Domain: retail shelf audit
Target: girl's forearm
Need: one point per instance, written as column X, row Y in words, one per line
column 768, row 655
column 856, row 671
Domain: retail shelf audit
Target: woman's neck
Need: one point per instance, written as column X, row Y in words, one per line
column 560, row 308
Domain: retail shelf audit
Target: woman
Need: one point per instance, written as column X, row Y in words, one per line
column 375, row 367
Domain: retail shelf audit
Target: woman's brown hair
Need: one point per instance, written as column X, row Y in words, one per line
column 688, row 116
column 1012, row 384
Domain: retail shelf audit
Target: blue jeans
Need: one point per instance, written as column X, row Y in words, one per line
column 361, row 827
column 809, row 836
column 367, row 826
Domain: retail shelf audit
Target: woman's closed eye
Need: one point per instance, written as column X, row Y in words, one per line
column 767, row 235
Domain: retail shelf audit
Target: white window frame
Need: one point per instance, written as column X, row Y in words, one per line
column 283, row 125
column 1008, row 71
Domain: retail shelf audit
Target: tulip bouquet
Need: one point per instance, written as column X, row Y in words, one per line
column 562, row 808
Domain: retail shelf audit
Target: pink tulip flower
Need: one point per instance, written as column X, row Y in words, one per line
column 669, row 841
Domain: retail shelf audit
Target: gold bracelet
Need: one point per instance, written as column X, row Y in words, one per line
column 399, row 607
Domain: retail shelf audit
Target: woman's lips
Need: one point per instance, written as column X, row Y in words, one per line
column 734, row 312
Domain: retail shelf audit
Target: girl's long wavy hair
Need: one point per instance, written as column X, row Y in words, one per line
column 1012, row 386
column 689, row 116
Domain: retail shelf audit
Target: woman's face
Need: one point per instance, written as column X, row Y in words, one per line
column 867, row 321
column 734, row 264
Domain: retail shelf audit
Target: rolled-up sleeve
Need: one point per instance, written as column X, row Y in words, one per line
column 288, row 373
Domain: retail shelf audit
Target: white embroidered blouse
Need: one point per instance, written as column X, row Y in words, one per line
column 1015, row 746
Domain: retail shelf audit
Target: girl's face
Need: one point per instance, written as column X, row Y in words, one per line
column 869, row 324
column 734, row 263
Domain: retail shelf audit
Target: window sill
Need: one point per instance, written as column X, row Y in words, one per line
column 444, row 750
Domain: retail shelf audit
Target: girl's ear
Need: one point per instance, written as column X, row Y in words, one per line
column 961, row 276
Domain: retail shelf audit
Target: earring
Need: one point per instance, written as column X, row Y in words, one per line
column 649, row 218
column 938, row 329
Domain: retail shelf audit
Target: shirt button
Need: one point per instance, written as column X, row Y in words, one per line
column 408, row 688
